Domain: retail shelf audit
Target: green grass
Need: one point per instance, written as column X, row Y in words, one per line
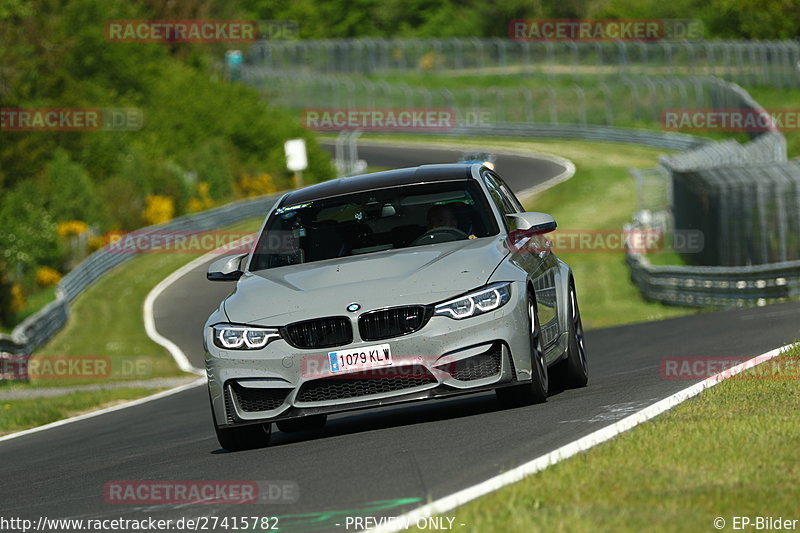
column 600, row 196
column 772, row 99
column 731, row 451
column 17, row 415
column 106, row 320
column 666, row 258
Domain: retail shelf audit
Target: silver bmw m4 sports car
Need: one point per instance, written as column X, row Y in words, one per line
column 404, row 285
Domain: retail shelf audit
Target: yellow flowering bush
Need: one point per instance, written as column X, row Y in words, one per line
column 47, row 277
column 158, row 209
column 249, row 185
column 203, row 199
column 95, row 242
column 69, row 228
column 17, row 298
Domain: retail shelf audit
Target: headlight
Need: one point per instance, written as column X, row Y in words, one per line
column 232, row 337
column 476, row 303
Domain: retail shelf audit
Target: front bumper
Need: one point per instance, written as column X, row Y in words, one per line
column 445, row 358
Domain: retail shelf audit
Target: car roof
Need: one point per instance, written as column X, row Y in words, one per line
column 381, row 180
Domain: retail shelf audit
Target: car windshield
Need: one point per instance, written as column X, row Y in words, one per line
column 374, row 221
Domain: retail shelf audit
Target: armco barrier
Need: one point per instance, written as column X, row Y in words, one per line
column 37, row 329
column 714, row 286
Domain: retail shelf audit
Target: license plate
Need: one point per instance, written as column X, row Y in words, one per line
column 361, row 358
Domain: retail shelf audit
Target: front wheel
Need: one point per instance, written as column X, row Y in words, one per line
column 240, row 438
column 535, row 390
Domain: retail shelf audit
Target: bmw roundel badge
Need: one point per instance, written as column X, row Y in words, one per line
column 353, row 307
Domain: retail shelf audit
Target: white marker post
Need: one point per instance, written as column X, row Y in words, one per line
column 296, row 159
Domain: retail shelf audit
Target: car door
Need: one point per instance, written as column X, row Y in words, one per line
column 535, row 257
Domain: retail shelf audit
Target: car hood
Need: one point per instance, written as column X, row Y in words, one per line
column 417, row 275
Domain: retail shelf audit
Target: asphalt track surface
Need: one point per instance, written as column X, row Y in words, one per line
column 378, row 462
column 520, row 172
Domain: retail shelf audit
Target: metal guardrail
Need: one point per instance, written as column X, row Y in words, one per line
column 747, row 207
column 40, row 327
column 714, row 286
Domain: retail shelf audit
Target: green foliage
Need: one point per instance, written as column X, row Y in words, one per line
column 27, row 231
column 727, row 19
column 197, row 126
column 6, row 313
column 69, row 192
column 329, row 19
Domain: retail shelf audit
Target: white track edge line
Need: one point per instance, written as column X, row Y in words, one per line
column 150, row 328
column 149, row 319
column 92, row 414
column 457, row 499
column 525, row 195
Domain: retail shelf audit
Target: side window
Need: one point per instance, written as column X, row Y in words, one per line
column 500, row 198
column 508, row 194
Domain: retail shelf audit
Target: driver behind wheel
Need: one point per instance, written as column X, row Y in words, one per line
column 444, row 216
column 442, row 226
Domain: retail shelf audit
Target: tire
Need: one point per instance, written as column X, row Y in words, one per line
column 573, row 372
column 307, row 423
column 235, row 439
column 535, row 390
column 238, row 438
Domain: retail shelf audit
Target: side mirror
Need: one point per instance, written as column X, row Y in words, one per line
column 534, row 223
column 229, row 268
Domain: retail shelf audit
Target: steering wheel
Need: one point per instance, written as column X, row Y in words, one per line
column 437, row 235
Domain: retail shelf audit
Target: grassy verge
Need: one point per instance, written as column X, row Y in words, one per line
column 18, row 415
column 600, row 196
column 106, row 320
column 115, row 302
column 730, row 451
column 776, row 99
